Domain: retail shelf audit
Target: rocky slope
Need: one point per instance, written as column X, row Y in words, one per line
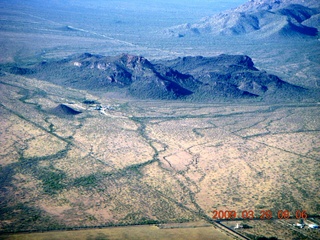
column 259, row 19
column 135, row 74
column 223, row 77
column 233, row 76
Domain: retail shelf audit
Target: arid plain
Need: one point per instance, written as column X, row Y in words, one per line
column 142, row 162
column 102, row 162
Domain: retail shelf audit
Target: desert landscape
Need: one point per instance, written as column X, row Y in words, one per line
column 149, row 162
column 128, row 141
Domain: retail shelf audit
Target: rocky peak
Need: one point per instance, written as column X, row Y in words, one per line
column 195, row 78
column 267, row 5
column 133, row 61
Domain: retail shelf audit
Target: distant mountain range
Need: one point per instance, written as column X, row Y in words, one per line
column 259, row 19
column 224, row 77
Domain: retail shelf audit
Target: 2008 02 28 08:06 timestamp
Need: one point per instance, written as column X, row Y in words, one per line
column 263, row 214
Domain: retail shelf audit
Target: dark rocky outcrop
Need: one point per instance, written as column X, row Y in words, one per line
column 223, row 77
column 64, row 110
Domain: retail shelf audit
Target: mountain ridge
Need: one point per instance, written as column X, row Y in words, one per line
column 258, row 19
column 194, row 78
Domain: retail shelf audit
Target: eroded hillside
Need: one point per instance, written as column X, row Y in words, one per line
column 200, row 79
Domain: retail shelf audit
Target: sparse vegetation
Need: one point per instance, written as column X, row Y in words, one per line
column 86, row 181
column 164, row 163
column 75, row 159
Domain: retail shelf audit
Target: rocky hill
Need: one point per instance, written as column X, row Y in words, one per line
column 223, row 77
column 234, row 76
column 135, row 74
column 259, row 19
column 64, row 110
